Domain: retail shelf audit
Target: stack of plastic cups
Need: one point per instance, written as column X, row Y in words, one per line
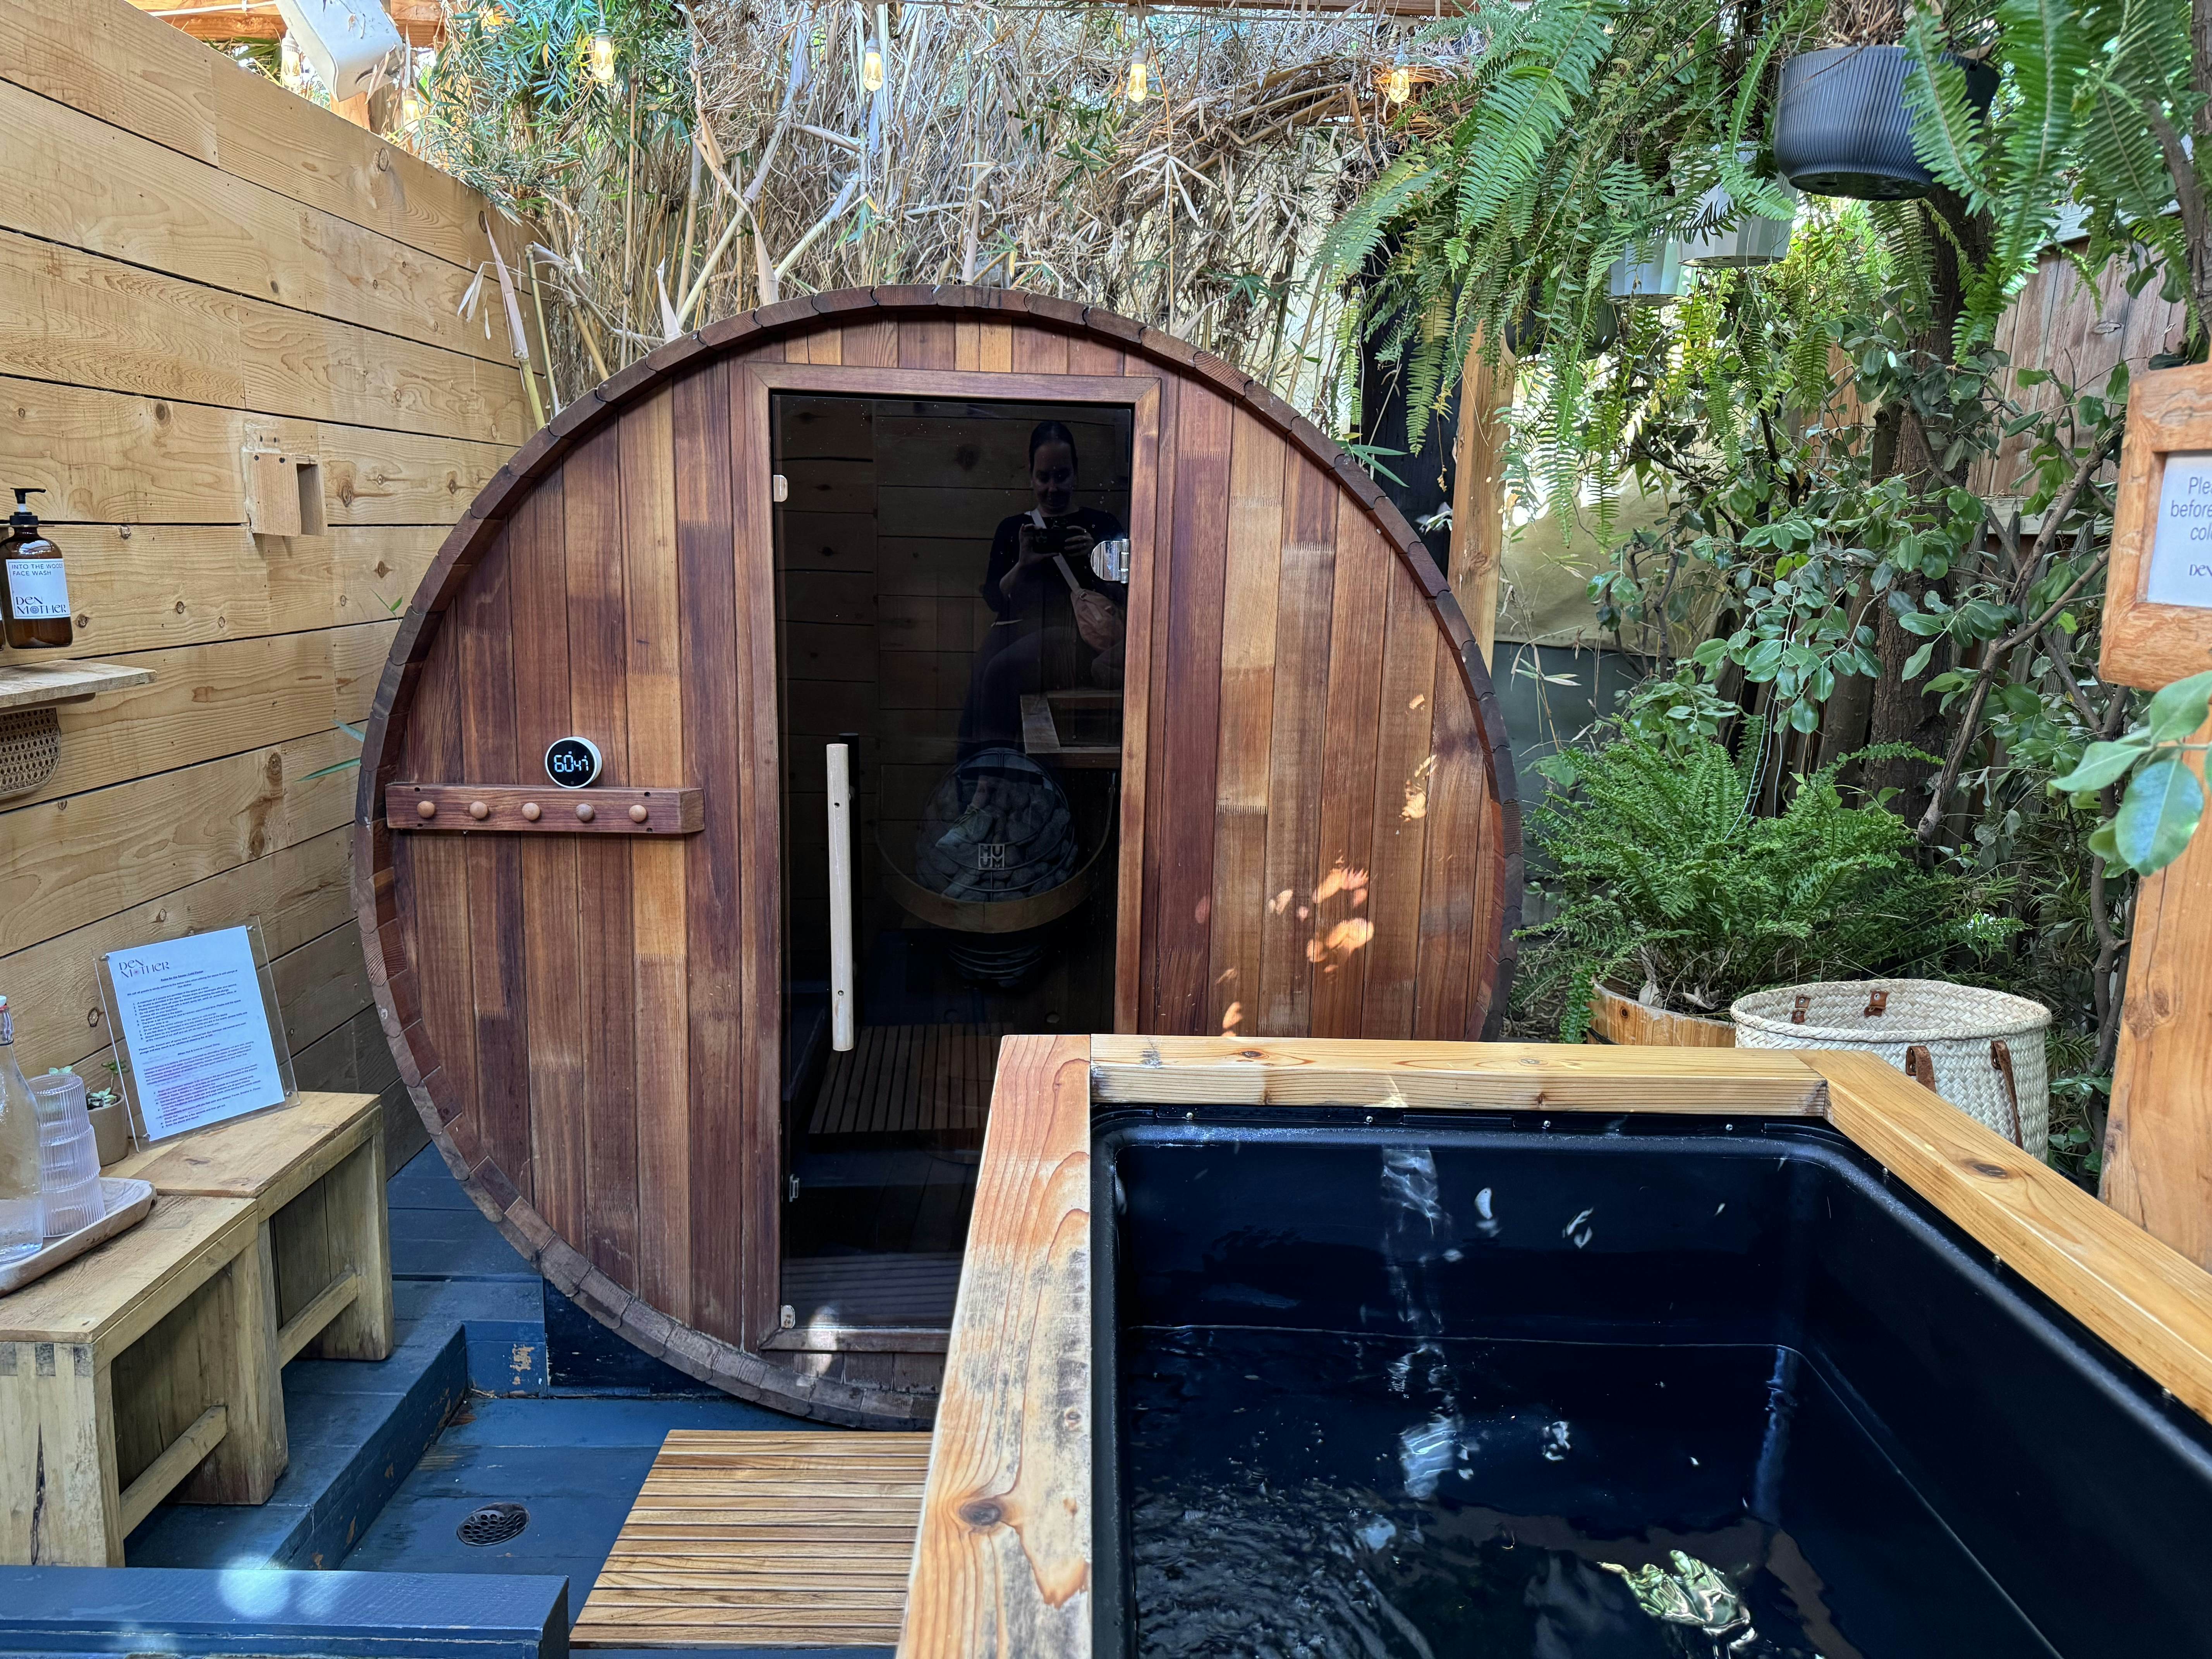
column 68, row 1160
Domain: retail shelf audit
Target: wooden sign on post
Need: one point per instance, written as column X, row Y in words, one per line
column 2158, row 604
column 2158, row 630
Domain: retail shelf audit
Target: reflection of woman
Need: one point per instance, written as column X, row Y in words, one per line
column 1060, row 624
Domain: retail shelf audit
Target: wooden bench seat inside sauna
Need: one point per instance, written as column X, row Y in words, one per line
column 1314, row 826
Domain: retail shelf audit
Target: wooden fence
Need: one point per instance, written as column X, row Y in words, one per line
column 193, row 262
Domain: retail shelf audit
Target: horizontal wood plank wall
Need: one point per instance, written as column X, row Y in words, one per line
column 597, row 1027
column 193, row 260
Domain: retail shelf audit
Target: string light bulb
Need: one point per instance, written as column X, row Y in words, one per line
column 411, row 109
column 287, row 62
column 493, row 20
column 1140, row 81
column 1398, row 85
column 603, row 59
column 871, row 70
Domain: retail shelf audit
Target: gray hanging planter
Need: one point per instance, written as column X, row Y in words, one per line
column 1648, row 274
column 1841, row 126
column 1526, row 333
column 1742, row 237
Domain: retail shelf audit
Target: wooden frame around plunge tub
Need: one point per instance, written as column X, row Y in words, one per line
column 1137, row 393
column 1002, row 1566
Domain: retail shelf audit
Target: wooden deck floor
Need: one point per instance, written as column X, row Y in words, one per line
column 763, row 1539
column 904, row 1080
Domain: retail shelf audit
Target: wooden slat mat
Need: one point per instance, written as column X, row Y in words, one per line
column 910, row 1079
column 916, row 1288
column 741, row 1538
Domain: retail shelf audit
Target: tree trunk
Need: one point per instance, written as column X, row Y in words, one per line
column 1903, row 712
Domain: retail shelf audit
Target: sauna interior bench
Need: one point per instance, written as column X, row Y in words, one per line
column 314, row 1173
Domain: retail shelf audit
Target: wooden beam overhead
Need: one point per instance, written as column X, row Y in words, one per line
column 420, row 22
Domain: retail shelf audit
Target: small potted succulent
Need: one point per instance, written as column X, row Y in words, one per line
column 1842, row 126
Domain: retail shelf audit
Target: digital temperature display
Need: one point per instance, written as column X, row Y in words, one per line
column 572, row 762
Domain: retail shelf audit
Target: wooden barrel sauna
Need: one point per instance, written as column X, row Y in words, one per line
column 744, row 571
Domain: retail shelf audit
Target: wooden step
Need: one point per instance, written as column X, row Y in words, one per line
column 744, row 1539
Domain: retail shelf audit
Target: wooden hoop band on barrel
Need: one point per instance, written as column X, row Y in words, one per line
column 587, row 1011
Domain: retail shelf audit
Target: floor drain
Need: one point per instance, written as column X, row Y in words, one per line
column 495, row 1523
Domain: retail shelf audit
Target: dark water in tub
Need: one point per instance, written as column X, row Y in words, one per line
column 1306, row 1496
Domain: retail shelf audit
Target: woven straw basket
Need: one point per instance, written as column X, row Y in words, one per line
column 1981, row 1050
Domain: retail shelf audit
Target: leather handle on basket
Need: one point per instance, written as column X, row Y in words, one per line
column 1920, row 1066
column 1797, row 1013
column 1877, row 1003
column 2000, row 1062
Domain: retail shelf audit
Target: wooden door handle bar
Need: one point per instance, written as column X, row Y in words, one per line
column 544, row 810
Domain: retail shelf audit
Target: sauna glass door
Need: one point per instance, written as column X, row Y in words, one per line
column 951, row 597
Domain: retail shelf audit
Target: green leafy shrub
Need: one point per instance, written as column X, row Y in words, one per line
column 1664, row 877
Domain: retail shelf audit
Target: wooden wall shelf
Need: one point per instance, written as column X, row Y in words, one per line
column 545, row 809
column 28, row 685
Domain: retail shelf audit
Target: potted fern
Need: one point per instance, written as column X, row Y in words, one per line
column 1843, row 121
column 1672, row 895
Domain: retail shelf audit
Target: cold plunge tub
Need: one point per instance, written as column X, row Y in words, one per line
column 1470, row 1385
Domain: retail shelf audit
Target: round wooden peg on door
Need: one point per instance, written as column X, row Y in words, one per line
column 533, row 810
column 426, row 809
column 478, row 811
column 584, row 812
column 638, row 814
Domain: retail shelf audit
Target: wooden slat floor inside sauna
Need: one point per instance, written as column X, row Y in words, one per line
column 909, row 1083
column 763, row 1539
column 912, row 1287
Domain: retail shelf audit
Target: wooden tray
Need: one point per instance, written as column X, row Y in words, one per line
column 128, row 1203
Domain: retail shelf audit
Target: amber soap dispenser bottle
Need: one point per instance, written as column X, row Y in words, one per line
column 36, row 589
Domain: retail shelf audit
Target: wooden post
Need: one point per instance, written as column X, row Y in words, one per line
column 58, row 1494
column 238, row 1345
column 1477, row 535
column 353, row 1196
column 2157, row 1140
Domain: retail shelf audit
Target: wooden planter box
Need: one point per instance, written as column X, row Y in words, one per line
column 1617, row 1018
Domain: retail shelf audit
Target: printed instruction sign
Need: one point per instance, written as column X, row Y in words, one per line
column 198, row 1031
column 2181, row 543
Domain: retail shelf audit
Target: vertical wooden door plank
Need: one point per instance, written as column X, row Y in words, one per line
column 558, row 1095
column 483, row 622
column 1252, row 573
column 1039, row 351
column 1189, row 731
column 1462, row 837
column 1404, row 768
column 434, row 878
column 655, row 691
column 598, row 653
column 1305, row 590
column 1138, row 654
column 871, row 344
column 1088, row 356
column 1364, row 569
column 1155, row 799
column 706, row 552
column 995, row 348
column 925, row 343
column 759, row 1091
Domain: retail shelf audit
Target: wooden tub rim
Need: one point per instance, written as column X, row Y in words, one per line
column 1002, row 1563
column 724, row 1365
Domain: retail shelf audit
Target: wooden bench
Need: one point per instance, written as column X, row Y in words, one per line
column 146, row 1367
column 314, row 1173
